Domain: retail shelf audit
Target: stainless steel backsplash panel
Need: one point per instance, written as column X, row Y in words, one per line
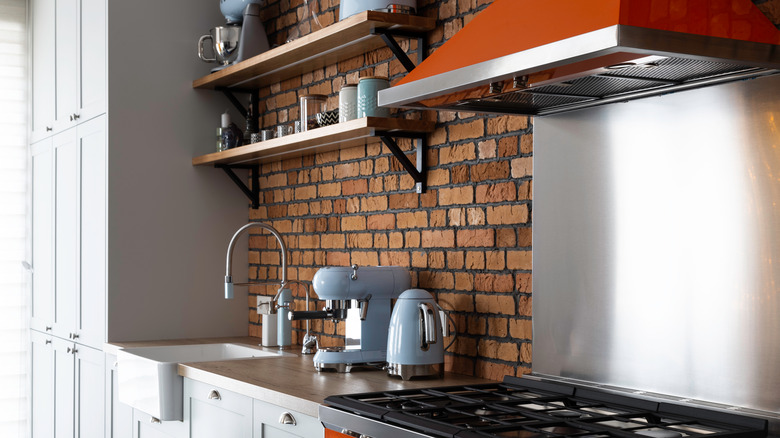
column 656, row 244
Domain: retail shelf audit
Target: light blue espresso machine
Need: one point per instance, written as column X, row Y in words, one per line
column 362, row 298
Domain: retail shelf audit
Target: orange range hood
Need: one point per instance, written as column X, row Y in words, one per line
column 541, row 57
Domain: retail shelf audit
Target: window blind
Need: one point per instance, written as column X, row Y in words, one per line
column 13, row 222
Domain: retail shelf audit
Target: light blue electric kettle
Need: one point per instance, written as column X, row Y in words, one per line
column 414, row 339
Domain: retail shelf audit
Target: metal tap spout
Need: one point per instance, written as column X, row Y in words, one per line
column 229, row 265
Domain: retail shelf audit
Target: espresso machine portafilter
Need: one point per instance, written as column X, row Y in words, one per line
column 362, row 298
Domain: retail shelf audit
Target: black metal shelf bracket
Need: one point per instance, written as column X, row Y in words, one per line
column 254, row 193
column 416, row 172
column 254, row 100
column 388, row 36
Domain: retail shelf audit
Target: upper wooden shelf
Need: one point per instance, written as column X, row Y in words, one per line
column 328, row 138
column 337, row 42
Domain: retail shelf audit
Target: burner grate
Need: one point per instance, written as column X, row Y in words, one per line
column 543, row 411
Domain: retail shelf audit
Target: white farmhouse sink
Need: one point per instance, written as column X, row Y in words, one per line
column 149, row 380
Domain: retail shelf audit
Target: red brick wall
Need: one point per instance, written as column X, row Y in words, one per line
column 467, row 239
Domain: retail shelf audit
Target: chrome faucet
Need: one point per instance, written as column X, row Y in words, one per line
column 229, row 269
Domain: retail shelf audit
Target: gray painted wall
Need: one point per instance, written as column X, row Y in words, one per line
column 169, row 222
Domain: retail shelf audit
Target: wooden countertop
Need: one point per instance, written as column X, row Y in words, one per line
column 291, row 381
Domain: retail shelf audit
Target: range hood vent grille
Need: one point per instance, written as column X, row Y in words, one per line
column 662, row 76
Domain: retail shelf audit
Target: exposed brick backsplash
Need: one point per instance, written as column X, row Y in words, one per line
column 467, row 239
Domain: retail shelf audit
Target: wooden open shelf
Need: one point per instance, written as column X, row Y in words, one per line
column 337, row 42
column 328, row 138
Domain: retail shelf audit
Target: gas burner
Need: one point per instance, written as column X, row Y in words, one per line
column 485, row 411
column 568, row 414
column 659, row 433
column 394, row 405
column 562, row 429
column 409, row 405
column 435, row 414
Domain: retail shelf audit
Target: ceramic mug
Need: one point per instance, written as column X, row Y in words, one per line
column 367, row 90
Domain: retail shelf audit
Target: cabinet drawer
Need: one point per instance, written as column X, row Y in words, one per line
column 210, row 411
column 144, row 426
column 216, row 396
column 273, row 421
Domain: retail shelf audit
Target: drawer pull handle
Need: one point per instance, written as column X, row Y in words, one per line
column 287, row 418
column 155, row 420
column 214, row 395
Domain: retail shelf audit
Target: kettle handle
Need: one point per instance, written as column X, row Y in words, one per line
column 427, row 326
column 201, row 53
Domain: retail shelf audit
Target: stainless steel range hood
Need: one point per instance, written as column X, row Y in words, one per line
column 540, row 57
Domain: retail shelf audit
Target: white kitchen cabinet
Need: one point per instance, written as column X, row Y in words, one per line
column 68, row 64
column 119, row 416
column 42, row 370
column 64, row 388
column 78, row 390
column 89, row 393
column 92, row 59
column 90, row 324
column 43, row 67
column 66, row 61
column 121, row 173
column 66, row 237
column 67, row 398
column 42, row 299
column 211, row 411
column 69, row 234
column 145, row 426
column 271, row 421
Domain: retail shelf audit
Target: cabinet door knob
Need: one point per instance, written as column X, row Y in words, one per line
column 75, row 336
column 74, row 117
column 49, row 129
column 68, row 350
column 155, row 420
column 287, row 418
column 48, row 341
column 214, row 395
column 48, row 328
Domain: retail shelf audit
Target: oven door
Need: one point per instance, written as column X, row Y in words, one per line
column 357, row 426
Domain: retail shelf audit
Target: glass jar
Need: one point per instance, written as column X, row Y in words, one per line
column 311, row 104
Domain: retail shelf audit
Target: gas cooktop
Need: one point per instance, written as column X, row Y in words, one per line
column 526, row 408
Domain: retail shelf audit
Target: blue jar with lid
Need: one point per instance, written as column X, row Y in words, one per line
column 367, row 90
